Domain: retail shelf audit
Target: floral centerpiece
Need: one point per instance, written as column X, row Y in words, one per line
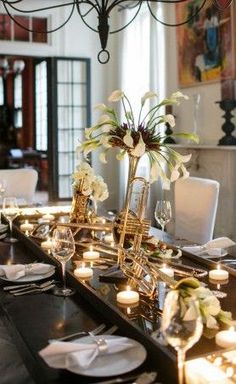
column 211, row 312
column 86, row 186
column 136, row 137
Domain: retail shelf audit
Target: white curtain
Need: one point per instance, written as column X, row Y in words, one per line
column 142, row 48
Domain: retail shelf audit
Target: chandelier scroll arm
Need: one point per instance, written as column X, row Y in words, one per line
column 186, row 21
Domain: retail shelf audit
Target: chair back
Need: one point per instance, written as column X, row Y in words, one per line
column 21, row 183
column 196, row 201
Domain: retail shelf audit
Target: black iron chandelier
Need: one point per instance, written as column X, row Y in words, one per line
column 103, row 9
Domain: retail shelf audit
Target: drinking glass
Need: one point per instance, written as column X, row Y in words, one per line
column 181, row 326
column 10, row 210
column 163, row 214
column 3, row 185
column 63, row 248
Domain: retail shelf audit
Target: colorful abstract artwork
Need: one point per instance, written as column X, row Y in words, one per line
column 205, row 44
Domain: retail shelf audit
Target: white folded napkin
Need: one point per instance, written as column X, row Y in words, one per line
column 15, row 271
column 66, row 355
column 212, row 247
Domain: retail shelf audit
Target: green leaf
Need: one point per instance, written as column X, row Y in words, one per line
column 188, row 136
column 187, row 282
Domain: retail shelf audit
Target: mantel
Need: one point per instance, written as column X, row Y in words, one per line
column 206, row 146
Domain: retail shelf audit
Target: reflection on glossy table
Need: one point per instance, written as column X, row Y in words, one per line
column 34, row 319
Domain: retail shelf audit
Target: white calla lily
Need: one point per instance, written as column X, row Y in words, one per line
column 128, row 140
column 169, row 119
column 116, row 95
column 147, row 95
column 101, row 107
column 139, row 149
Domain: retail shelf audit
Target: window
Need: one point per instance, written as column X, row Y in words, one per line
column 72, row 117
column 18, row 123
column 9, row 30
column 41, row 107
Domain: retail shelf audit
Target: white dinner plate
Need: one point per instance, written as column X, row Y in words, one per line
column 29, row 278
column 112, row 364
column 223, row 253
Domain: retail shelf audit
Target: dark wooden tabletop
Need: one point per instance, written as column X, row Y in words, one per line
column 32, row 320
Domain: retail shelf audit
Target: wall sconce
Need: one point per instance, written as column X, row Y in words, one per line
column 8, row 68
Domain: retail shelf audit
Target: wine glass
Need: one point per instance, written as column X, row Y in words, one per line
column 3, row 185
column 63, row 248
column 10, row 210
column 181, row 325
column 163, row 214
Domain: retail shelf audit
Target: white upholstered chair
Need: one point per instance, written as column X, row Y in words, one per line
column 196, row 201
column 21, row 183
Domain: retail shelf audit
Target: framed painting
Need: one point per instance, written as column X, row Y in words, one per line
column 205, row 45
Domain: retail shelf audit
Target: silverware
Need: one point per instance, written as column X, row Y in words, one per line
column 146, row 378
column 21, row 289
column 16, row 286
column 81, row 333
column 118, row 380
column 143, row 378
column 34, row 290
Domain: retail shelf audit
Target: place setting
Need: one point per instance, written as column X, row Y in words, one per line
column 100, row 354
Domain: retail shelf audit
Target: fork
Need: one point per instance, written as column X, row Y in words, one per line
column 93, row 332
column 38, row 286
column 34, row 290
column 28, row 285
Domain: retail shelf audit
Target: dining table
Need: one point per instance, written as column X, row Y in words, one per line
column 28, row 322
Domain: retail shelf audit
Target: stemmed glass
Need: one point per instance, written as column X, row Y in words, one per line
column 181, row 326
column 10, row 210
column 163, row 214
column 3, row 185
column 63, row 248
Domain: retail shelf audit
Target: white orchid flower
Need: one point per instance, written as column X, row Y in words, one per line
column 116, row 95
column 140, row 148
column 211, row 305
column 128, row 140
column 211, row 322
column 102, row 157
column 147, row 95
column 169, row 119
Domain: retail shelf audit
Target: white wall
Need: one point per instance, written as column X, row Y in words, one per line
column 209, row 119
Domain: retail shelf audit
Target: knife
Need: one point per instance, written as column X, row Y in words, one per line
column 144, row 378
column 118, row 380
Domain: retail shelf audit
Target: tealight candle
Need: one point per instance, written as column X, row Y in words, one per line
column 109, row 238
column 227, row 338
column 218, row 274
column 47, row 244
column 48, row 217
column 83, row 272
column 91, row 254
column 168, row 271
column 128, row 296
column 26, row 226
